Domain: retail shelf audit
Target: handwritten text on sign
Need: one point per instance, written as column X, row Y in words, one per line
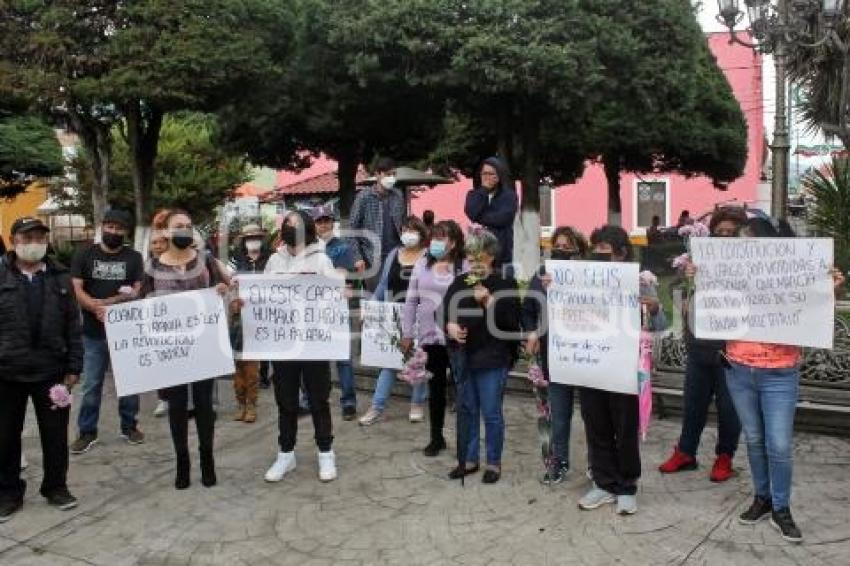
column 594, row 324
column 775, row 290
column 168, row 340
column 294, row 317
column 380, row 335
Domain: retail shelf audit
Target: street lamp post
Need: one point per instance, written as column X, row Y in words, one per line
column 778, row 28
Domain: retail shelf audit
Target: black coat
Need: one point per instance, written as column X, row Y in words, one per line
column 59, row 349
column 496, row 214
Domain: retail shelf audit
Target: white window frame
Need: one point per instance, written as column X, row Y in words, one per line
column 667, row 207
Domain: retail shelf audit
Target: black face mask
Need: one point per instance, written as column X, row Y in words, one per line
column 112, row 241
column 182, row 241
column 563, row 254
column 600, row 257
column 289, row 235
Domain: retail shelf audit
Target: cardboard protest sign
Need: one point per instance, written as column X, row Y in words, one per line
column 168, row 340
column 775, row 290
column 380, row 335
column 594, row 324
column 294, row 317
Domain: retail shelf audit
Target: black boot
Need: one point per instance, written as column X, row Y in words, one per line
column 181, row 481
column 208, row 478
column 437, row 445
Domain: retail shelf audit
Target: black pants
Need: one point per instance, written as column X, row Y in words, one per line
column 613, row 445
column 316, row 378
column 438, row 365
column 52, row 427
column 705, row 378
column 265, row 366
column 178, row 417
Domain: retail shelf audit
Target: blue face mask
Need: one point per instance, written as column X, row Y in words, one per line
column 437, row 249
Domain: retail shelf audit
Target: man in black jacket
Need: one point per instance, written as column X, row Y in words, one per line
column 40, row 347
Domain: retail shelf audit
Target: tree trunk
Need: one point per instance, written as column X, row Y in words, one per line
column 347, row 163
column 527, row 222
column 96, row 138
column 144, row 123
column 612, row 175
column 504, row 133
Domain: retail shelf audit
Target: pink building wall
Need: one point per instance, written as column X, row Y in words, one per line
column 584, row 204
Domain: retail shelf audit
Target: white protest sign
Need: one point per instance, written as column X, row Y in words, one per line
column 294, row 317
column 169, row 340
column 775, row 290
column 380, row 335
column 594, row 324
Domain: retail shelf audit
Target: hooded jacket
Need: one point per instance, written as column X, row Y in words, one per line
column 312, row 259
column 496, row 213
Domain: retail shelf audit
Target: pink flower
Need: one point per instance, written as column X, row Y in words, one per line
column 60, row 396
column 701, row 230
column 680, row 261
column 648, row 279
column 536, row 376
column 686, row 231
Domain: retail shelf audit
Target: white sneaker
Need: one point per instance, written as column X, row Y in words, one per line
column 595, row 498
column 327, row 466
column 372, row 416
column 161, row 408
column 24, row 463
column 417, row 412
column 626, row 504
column 285, row 463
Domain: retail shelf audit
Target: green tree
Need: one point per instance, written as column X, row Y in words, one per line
column 28, row 150
column 664, row 104
column 192, row 173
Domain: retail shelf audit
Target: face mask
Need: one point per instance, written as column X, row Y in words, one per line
column 112, row 241
column 600, row 256
column 388, row 182
column 31, row 253
column 288, row 235
column 182, row 240
column 410, row 240
column 253, row 245
column 563, row 254
column 438, row 249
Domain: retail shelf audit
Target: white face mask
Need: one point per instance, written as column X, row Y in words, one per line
column 253, row 245
column 410, row 239
column 388, row 182
column 31, row 253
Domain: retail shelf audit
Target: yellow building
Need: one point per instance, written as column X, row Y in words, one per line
column 25, row 204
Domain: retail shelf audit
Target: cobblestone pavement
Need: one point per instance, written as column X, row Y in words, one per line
column 391, row 505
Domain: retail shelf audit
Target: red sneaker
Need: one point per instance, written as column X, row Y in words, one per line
column 722, row 469
column 677, row 462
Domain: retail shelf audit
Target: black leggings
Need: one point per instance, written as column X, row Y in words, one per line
column 438, row 365
column 316, row 378
column 178, row 416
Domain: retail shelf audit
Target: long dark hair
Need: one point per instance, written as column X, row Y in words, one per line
column 616, row 237
column 451, row 230
column 307, row 222
column 768, row 228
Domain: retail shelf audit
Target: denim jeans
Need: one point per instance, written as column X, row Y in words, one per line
column 561, row 409
column 95, row 362
column 704, row 379
column 766, row 400
column 345, row 372
column 482, row 399
column 384, row 387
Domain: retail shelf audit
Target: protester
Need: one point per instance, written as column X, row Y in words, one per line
column 104, row 274
column 302, row 252
column 764, row 382
column 492, row 203
column 482, row 313
column 340, row 254
column 429, row 281
column 684, row 219
column 40, row 348
column 611, row 419
column 428, row 220
column 653, row 233
column 179, row 268
column 157, row 244
column 567, row 244
column 378, row 210
column 705, row 378
column 392, row 287
column 250, row 257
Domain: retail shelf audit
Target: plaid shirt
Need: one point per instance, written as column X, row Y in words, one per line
column 366, row 214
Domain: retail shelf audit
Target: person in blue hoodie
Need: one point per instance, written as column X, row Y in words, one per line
column 492, row 203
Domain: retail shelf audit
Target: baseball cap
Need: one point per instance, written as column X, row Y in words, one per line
column 117, row 217
column 325, row 211
column 28, row 224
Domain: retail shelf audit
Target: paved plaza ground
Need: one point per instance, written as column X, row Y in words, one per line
column 391, row 505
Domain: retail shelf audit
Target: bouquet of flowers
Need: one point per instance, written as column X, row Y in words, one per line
column 696, row 230
column 414, row 371
column 60, row 396
column 535, row 375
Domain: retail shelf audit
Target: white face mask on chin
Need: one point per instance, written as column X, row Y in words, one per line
column 31, row 253
column 388, row 182
column 253, row 245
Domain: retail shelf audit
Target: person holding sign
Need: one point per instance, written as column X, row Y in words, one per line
column 610, row 418
column 482, row 310
column 40, row 351
column 392, row 287
column 302, row 252
column 705, row 378
column 764, row 382
column 104, row 274
column 181, row 267
column 429, row 282
column 567, row 244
